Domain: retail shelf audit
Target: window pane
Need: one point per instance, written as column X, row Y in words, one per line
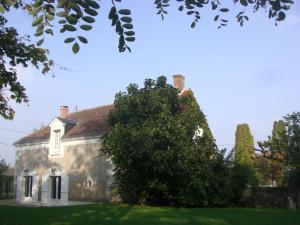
column 53, row 187
column 57, row 139
column 59, row 187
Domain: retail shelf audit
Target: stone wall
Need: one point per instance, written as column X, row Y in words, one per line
column 271, row 197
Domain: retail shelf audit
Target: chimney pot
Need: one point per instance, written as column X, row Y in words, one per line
column 178, row 81
column 64, row 111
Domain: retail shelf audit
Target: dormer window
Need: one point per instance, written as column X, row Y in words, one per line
column 57, row 131
column 59, row 127
column 57, row 139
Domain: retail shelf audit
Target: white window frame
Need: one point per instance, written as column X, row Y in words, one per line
column 57, row 131
column 57, row 139
column 88, row 184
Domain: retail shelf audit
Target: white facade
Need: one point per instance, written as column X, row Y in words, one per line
column 42, row 186
column 54, row 183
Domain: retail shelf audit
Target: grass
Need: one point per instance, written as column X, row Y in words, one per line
column 108, row 214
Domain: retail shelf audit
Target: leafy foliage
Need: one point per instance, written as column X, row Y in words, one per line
column 270, row 164
column 276, row 142
column 141, row 145
column 15, row 50
column 78, row 16
column 203, row 165
column 292, row 148
column 3, row 166
column 292, row 177
column 270, row 169
column 283, row 148
column 157, row 159
column 238, row 177
column 161, row 6
column 122, row 21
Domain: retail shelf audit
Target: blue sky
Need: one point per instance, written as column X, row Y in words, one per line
column 238, row 75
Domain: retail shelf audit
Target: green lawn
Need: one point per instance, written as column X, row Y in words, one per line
column 135, row 215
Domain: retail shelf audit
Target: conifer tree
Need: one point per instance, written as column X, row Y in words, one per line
column 244, row 145
column 245, row 154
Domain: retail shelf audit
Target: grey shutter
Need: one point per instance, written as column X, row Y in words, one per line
column 19, row 189
column 64, row 198
column 45, row 187
column 35, row 188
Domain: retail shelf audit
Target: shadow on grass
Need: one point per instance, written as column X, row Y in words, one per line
column 109, row 214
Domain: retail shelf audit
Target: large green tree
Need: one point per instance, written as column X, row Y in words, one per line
column 270, row 163
column 204, row 169
column 76, row 17
column 283, row 147
column 158, row 159
column 291, row 150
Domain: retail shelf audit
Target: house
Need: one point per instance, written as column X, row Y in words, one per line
column 62, row 162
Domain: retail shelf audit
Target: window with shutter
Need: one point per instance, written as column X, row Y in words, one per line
column 28, row 186
column 55, row 187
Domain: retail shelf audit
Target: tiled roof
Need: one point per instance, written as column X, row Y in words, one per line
column 90, row 122
column 37, row 136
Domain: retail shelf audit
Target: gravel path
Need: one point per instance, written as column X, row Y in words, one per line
column 7, row 202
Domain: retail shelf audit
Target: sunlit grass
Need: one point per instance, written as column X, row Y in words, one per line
column 101, row 214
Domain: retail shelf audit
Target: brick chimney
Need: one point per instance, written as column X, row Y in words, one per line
column 178, row 81
column 63, row 111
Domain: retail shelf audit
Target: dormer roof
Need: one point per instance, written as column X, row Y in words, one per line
column 64, row 121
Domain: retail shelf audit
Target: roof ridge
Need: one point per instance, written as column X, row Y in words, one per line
column 79, row 111
column 92, row 121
